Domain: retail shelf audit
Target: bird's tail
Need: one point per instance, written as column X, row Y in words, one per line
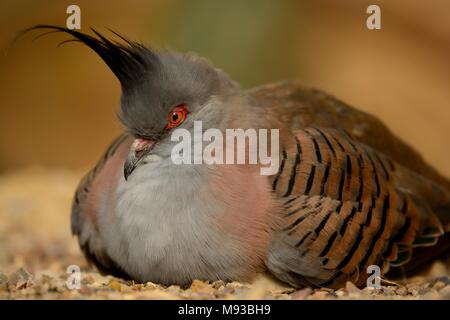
column 434, row 241
column 422, row 257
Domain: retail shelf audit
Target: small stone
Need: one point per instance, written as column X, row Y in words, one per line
column 201, row 287
column 137, row 287
column 351, row 288
column 423, row 290
column 414, row 292
column 285, row 291
column 173, row 289
column 20, row 279
column 224, row 291
column 341, row 293
column 402, row 291
column 438, row 285
column 151, row 286
column 426, row 285
column 390, row 291
column 217, row 284
column 236, row 285
column 413, row 288
column 87, row 279
column 320, row 295
column 115, row 285
column 301, row 294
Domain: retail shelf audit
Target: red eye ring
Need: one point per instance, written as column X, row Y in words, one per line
column 177, row 116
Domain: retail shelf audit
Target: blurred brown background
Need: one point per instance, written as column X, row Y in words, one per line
column 58, row 105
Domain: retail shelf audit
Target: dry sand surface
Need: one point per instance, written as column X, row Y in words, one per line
column 36, row 248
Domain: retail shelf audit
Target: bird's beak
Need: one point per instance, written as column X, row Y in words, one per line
column 139, row 149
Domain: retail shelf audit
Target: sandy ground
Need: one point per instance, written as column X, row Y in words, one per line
column 36, row 249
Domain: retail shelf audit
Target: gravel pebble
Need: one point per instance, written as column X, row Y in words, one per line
column 402, row 291
column 301, row 294
column 351, row 288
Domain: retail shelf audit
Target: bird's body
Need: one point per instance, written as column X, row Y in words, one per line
column 189, row 235
column 348, row 193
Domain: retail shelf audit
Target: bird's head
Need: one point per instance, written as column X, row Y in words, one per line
column 161, row 91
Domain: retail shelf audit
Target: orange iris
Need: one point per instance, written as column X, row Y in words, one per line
column 176, row 116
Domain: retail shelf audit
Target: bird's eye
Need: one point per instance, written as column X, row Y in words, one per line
column 176, row 116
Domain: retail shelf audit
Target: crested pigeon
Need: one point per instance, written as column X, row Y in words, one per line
column 347, row 193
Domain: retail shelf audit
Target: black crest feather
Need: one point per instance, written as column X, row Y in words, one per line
column 129, row 60
column 153, row 82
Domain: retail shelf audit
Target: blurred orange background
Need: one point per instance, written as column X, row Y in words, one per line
column 58, row 104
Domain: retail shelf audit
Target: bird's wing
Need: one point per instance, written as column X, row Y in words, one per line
column 348, row 206
column 84, row 210
column 290, row 106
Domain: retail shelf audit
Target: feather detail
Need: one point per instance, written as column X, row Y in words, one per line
column 350, row 207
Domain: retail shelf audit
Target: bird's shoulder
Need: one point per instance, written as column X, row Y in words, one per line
column 290, row 105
